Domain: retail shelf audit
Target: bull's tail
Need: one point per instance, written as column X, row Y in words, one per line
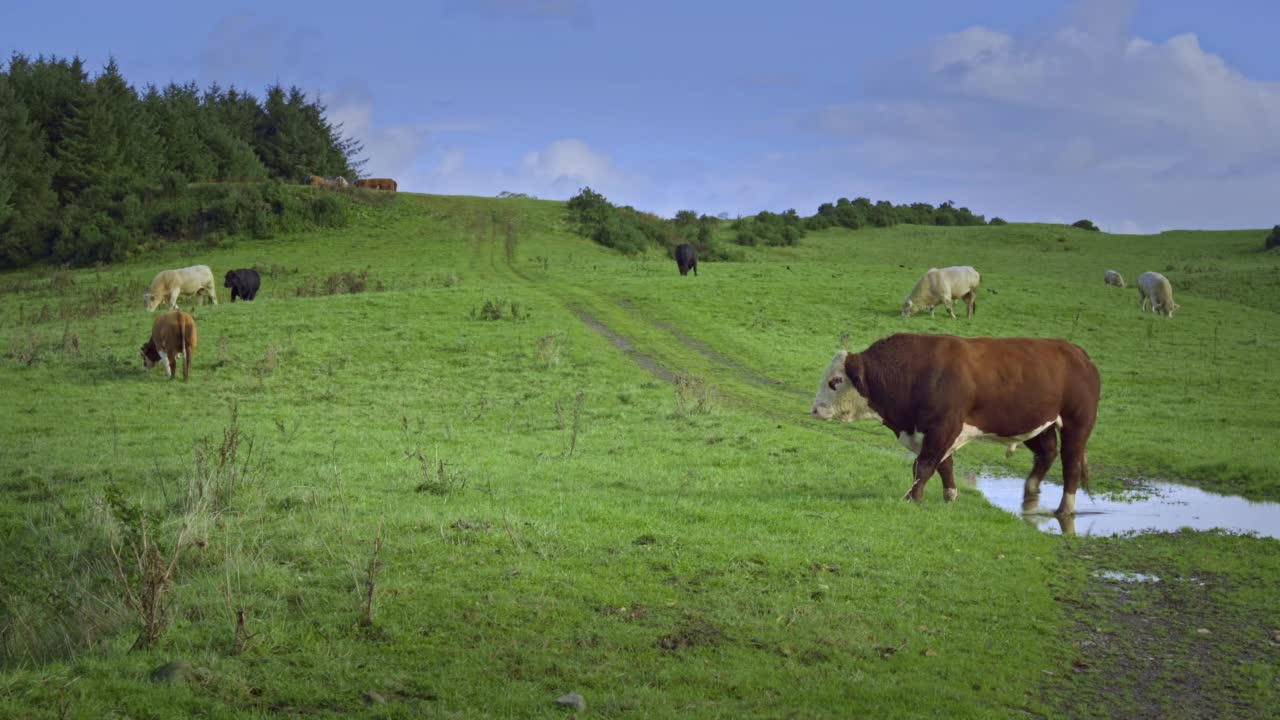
column 186, row 350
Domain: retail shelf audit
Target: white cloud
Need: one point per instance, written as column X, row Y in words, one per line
column 1125, row 94
column 568, row 160
column 389, row 150
column 1083, row 118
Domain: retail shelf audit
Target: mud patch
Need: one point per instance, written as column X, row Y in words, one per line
column 648, row 362
column 1196, row 644
column 690, row 633
column 629, row 613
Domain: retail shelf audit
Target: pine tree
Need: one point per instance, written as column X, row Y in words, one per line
column 27, row 201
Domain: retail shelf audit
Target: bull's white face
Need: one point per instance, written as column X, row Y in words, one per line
column 836, row 399
column 150, row 301
column 908, row 308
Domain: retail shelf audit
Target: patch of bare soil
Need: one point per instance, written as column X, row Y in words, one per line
column 691, row 632
column 1192, row 644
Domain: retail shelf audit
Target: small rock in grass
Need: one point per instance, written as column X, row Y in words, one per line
column 1203, row 631
column 373, row 697
column 572, row 700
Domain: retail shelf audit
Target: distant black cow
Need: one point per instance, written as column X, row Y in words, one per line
column 686, row 259
column 243, row 282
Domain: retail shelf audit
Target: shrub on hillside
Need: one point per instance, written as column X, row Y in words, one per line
column 997, row 221
column 1085, row 225
column 1273, row 240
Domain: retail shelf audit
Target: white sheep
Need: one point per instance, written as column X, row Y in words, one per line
column 1155, row 289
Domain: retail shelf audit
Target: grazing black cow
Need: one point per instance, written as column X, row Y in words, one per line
column 243, row 282
column 686, row 259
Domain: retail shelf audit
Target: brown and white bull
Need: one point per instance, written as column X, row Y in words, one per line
column 939, row 392
column 172, row 334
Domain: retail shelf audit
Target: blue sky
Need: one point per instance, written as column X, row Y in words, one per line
column 1141, row 116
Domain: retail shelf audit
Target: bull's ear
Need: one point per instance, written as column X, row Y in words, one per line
column 854, row 368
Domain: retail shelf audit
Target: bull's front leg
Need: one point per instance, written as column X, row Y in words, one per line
column 173, row 298
column 933, row 456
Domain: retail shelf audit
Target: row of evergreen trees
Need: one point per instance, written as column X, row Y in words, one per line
column 91, row 169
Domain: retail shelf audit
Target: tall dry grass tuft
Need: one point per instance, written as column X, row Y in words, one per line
column 221, row 466
column 371, row 581
column 693, row 396
column 144, row 568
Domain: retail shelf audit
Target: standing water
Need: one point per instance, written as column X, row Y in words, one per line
column 1153, row 507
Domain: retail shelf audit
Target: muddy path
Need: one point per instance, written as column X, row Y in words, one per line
column 740, row 371
column 623, row 343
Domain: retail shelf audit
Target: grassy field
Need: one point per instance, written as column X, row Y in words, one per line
column 456, row 461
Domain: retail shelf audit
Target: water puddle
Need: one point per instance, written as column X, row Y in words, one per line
column 1152, row 507
column 1128, row 577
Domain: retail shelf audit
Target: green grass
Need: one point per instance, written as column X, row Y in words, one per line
column 556, row 518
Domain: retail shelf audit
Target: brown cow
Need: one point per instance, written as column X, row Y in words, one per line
column 317, row 181
column 376, row 184
column 938, row 392
column 173, row 333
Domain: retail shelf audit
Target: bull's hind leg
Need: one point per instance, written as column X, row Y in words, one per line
column 970, row 303
column 1045, row 449
column 947, row 473
column 1074, row 471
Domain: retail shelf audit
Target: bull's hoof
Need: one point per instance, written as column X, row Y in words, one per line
column 950, row 494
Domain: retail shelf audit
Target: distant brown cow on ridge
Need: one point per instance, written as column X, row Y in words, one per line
column 376, row 184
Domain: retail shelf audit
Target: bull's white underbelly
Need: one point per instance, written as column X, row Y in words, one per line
column 915, row 441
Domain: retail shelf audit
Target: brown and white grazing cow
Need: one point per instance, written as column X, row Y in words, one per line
column 939, row 392
column 168, row 285
column 172, row 334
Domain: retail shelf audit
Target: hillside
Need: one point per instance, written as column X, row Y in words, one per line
column 514, row 465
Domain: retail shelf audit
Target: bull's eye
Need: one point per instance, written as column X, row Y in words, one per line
column 833, row 382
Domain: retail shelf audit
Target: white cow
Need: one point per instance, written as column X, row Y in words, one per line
column 1155, row 289
column 1113, row 278
column 943, row 287
column 169, row 284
